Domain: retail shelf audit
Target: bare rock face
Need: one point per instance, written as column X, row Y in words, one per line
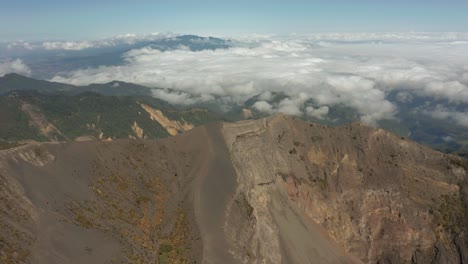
column 352, row 193
column 275, row 190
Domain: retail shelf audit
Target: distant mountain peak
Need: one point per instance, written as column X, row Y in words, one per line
column 13, row 75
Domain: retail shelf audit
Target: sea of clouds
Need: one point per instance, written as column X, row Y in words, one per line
column 355, row 70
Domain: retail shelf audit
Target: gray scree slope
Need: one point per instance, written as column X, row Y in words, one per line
column 276, row 190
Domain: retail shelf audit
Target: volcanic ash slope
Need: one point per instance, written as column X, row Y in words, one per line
column 275, row 190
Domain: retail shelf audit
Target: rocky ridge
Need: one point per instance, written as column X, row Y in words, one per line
column 275, row 190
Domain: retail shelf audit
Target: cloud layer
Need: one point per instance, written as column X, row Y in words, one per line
column 126, row 39
column 358, row 71
column 15, row 66
column 443, row 113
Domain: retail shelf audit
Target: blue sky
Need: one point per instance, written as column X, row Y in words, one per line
column 86, row 19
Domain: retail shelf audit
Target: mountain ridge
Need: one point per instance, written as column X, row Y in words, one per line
column 94, row 112
column 438, row 134
column 365, row 195
column 15, row 82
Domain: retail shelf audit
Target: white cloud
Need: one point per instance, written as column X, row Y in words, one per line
column 68, row 45
column 266, row 96
column 454, row 38
column 453, row 90
column 318, row 113
column 352, row 69
column 263, row 107
column 125, row 39
column 20, row 45
column 290, row 107
column 443, row 113
column 180, row 98
column 293, row 105
column 361, row 94
column 15, row 66
column 465, row 77
column 109, row 42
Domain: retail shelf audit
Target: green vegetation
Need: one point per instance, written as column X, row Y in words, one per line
column 92, row 115
column 14, row 124
column 112, row 109
column 432, row 132
column 195, row 116
column 98, row 111
column 14, row 83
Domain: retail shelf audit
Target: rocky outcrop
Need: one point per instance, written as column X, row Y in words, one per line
column 139, row 132
column 38, row 120
column 173, row 127
column 378, row 197
column 275, row 227
column 275, row 190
